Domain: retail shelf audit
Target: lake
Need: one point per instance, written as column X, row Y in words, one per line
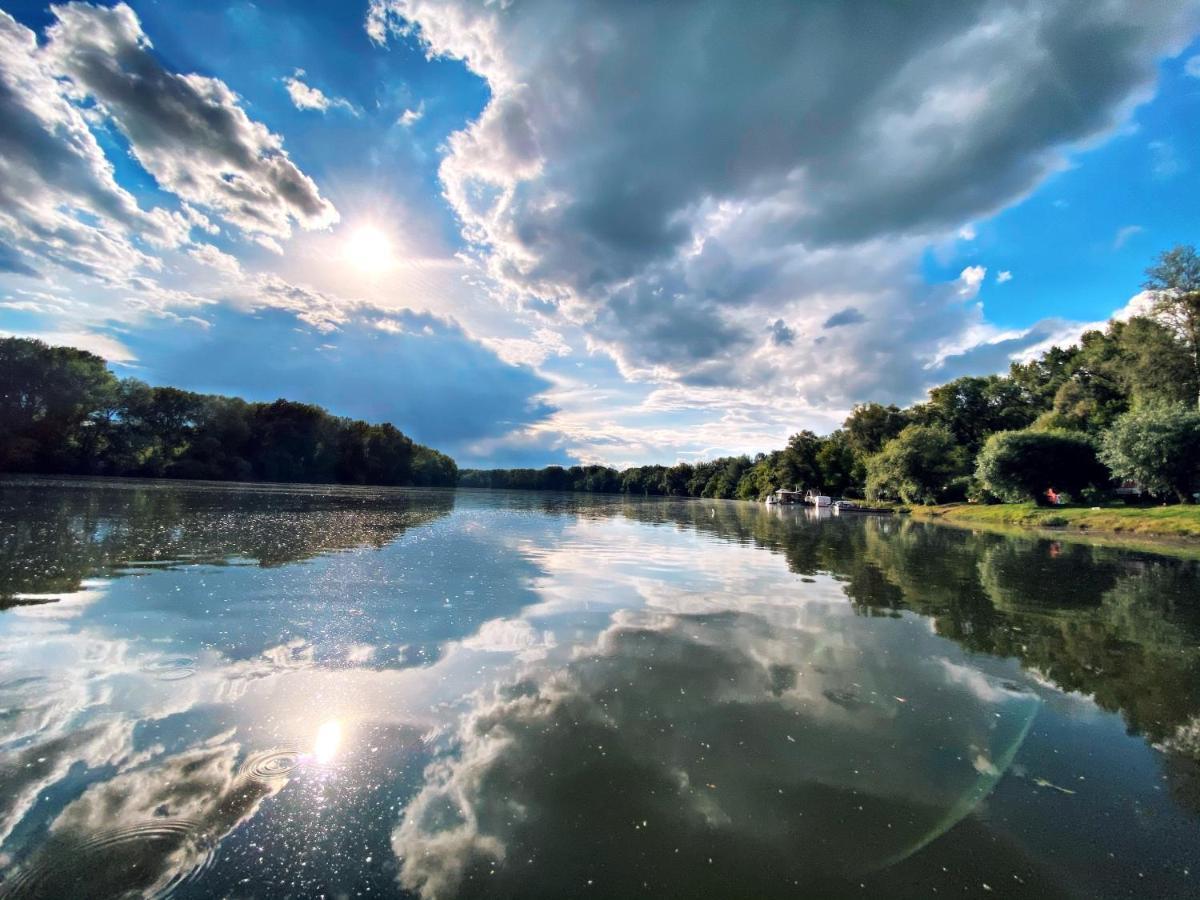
column 263, row 691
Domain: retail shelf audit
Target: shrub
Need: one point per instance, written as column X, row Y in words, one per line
column 916, row 466
column 1158, row 446
column 1023, row 465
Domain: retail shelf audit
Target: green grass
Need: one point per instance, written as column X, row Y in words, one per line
column 1179, row 522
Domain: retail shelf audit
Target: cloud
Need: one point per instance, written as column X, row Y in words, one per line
column 1191, row 67
column 1003, row 276
column 781, row 334
column 188, row 131
column 59, row 201
column 1124, row 234
column 411, row 117
column 422, row 373
column 967, row 233
column 1164, row 160
column 671, row 216
column 847, row 316
column 307, row 97
column 970, row 280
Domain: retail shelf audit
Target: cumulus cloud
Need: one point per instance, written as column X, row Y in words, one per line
column 970, row 280
column 671, row 216
column 305, row 96
column 188, row 131
column 1003, row 276
column 61, row 206
column 59, row 201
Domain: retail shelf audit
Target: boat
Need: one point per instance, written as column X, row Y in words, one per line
column 783, row 497
column 815, row 498
column 849, row 506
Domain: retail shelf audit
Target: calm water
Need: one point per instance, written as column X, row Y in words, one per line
column 266, row 692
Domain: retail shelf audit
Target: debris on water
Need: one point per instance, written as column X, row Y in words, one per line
column 1042, row 782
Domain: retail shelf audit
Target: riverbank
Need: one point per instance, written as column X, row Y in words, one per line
column 1176, row 523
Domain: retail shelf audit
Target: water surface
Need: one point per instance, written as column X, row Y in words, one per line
column 212, row 690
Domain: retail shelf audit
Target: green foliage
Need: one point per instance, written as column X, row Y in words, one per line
column 871, row 425
column 972, row 408
column 1023, row 465
column 1158, row 446
column 63, row 411
column 917, row 466
column 1174, row 283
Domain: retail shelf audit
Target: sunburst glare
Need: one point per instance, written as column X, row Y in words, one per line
column 369, row 250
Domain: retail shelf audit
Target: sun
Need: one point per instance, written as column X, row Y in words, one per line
column 369, row 250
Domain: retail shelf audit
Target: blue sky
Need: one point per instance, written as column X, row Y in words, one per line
column 542, row 232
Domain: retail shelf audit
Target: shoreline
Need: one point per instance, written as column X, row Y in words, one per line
column 1157, row 529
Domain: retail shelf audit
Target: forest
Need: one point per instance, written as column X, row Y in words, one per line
column 63, row 412
column 1120, row 407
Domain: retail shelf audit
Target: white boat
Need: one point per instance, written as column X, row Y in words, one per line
column 813, row 498
column 783, row 497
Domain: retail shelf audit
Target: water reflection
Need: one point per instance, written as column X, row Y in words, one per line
column 732, row 753
column 343, row 692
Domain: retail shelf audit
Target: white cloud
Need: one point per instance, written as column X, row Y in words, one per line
column 305, row 96
column 188, row 131
column 970, row 280
column 967, row 233
column 1164, row 159
column 1192, row 66
column 1124, row 234
column 411, row 117
column 1003, row 276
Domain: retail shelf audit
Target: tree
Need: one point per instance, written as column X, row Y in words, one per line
column 916, row 466
column 1023, row 465
column 1174, row 285
column 871, row 425
column 973, row 408
column 1158, row 446
column 53, row 405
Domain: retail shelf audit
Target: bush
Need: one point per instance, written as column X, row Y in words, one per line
column 1158, row 446
column 1023, row 465
column 919, row 465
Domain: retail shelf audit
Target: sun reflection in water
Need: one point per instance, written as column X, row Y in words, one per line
column 329, row 736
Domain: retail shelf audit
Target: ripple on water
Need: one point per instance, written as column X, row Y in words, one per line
column 272, row 765
column 148, row 859
column 173, row 668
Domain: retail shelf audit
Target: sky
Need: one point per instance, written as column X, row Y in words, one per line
column 535, row 232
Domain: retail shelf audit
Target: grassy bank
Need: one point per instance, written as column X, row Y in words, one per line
column 1177, row 522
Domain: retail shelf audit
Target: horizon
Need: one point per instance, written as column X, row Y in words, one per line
column 521, row 237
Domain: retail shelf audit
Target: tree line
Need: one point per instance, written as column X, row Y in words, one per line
column 62, row 411
column 1122, row 405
